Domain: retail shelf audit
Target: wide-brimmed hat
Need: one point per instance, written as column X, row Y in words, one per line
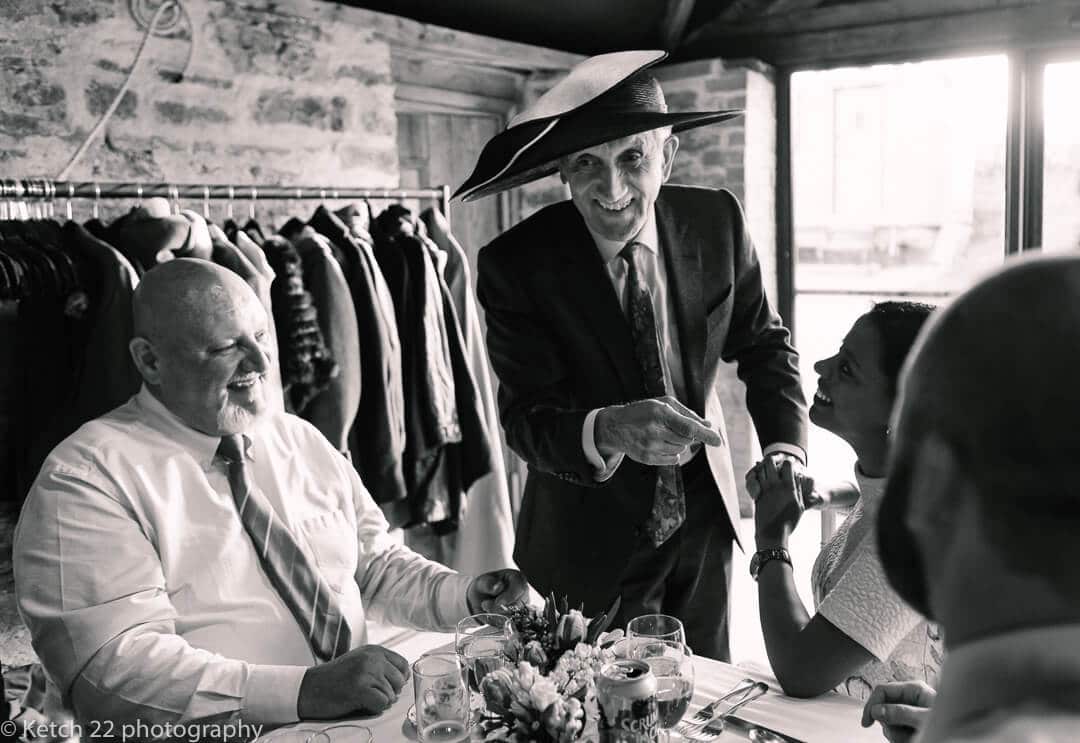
column 603, row 98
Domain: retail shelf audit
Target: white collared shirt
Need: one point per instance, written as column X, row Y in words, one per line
column 654, row 274
column 144, row 595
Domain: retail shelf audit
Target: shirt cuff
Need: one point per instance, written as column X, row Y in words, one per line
column 781, row 448
column 272, row 694
column 604, row 468
column 451, row 601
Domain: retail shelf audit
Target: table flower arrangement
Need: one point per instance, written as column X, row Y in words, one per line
column 548, row 694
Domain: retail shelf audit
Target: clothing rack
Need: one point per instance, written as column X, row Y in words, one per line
column 47, row 190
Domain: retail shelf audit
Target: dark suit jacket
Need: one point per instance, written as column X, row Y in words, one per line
column 560, row 346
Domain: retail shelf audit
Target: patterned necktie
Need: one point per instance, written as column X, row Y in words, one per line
column 669, row 501
column 301, row 587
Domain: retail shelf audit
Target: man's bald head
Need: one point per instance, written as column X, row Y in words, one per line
column 202, row 344
column 986, row 439
column 174, row 294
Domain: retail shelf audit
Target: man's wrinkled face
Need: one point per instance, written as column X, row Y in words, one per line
column 614, row 185
column 213, row 366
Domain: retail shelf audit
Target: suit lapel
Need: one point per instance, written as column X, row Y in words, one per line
column 586, row 283
column 682, row 260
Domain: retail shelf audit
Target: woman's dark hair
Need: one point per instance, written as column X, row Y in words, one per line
column 899, row 324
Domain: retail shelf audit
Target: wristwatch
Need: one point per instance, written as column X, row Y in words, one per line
column 757, row 562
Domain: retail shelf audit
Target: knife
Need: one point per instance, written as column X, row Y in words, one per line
column 764, row 735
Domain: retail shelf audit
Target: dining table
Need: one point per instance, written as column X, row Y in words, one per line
column 830, row 718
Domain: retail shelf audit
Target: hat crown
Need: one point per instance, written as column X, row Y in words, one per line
column 587, row 81
column 640, row 93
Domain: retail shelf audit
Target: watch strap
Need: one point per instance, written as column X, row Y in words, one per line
column 761, row 557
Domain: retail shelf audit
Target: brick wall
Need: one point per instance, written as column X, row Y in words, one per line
column 739, row 155
column 294, row 91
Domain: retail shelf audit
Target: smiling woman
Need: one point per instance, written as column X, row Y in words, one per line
column 862, row 633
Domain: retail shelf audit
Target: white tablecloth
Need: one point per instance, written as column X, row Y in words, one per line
column 832, row 718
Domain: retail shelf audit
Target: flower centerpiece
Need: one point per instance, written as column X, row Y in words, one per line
column 548, row 694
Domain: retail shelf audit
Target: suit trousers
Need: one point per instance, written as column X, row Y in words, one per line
column 689, row 575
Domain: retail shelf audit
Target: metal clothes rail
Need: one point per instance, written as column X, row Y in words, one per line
column 47, row 190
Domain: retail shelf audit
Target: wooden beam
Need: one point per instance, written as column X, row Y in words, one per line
column 740, row 10
column 415, row 68
column 788, row 6
column 974, row 32
column 673, row 27
column 425, row 98
column 782, row 20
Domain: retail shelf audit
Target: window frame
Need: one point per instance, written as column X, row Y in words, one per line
column 1024, row 156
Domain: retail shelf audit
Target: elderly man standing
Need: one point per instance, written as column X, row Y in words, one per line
column 977, row 528
column 197, row 553
column 607, row 317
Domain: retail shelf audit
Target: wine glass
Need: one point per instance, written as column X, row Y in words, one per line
column 672, row 664
column 657, row 627
column 481, row 640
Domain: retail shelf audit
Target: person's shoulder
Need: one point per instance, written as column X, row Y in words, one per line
column 290, row 432
column 106, row 440
column 537, row 229
column 700, row 199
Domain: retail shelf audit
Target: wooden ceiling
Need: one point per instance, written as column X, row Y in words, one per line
column 794, row 33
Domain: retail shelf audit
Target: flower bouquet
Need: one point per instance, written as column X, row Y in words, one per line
column 548, row 695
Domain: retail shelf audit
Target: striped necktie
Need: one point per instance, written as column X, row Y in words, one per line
column 669, row 501
column 301, row 587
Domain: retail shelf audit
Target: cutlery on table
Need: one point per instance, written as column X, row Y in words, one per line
column 715, row 727
column 759, row 733
column 706, row 713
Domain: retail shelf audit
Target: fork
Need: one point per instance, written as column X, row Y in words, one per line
column 714, row 728
column 705, row 714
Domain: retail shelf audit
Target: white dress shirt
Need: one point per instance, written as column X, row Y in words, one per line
column 144, row 595
column 654, row 274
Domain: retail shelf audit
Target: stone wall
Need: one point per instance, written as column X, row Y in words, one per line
column 297, row 91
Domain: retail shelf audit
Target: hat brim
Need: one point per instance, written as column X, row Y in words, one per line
column 530, row 151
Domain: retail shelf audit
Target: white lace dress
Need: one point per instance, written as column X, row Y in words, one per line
column 851, row 591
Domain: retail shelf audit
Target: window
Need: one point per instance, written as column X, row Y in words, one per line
column 898, row 175
column 1061, row 157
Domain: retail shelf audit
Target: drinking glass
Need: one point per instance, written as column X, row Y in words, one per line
column 657, row 627
column 673, row 665
column 481, row 641
column 442, row 698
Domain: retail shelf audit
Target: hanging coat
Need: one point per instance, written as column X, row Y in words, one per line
column 377, row 438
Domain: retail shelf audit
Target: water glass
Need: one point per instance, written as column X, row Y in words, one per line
column 442, row 698
column 657, row 627
column 673, row 665
column 482, row 642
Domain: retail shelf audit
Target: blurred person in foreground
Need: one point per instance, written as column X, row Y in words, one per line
column 199, row 554
column 978, row 525
column 862, row 633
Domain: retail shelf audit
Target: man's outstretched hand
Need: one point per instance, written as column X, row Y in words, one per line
column 497, row 591
column 654, row 432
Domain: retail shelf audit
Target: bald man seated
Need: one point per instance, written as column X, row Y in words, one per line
column 197, row 554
